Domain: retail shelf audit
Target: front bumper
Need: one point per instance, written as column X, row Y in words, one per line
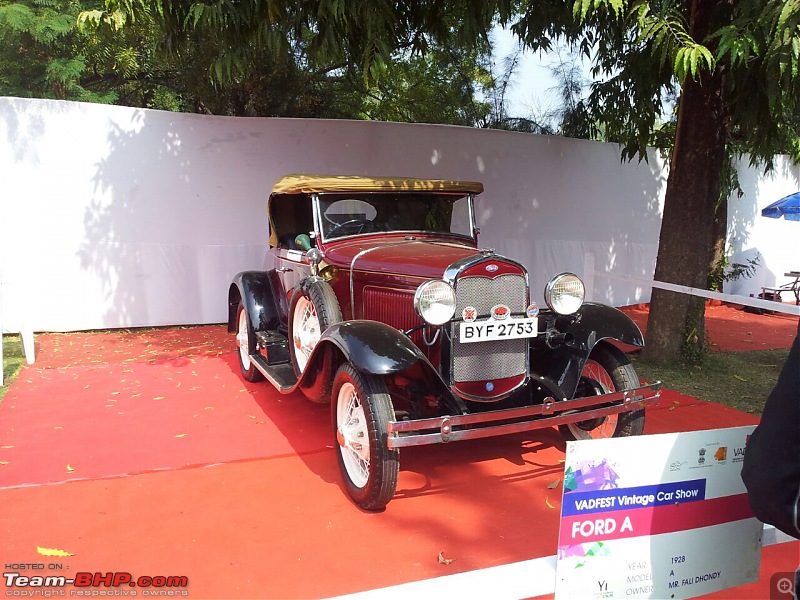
column 448, row 428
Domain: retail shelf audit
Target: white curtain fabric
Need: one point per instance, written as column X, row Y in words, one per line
column 120, row 217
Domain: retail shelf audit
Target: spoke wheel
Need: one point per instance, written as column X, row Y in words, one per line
column 306, row 331
column 607, row 370
column 360, row 411
column 246, row 345
column 314, row 308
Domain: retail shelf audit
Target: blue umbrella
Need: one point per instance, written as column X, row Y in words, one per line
column 788, row 207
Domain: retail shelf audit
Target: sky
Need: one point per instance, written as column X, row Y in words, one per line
column 532, row 88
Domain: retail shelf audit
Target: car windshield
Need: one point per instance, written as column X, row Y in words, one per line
column 349, row 214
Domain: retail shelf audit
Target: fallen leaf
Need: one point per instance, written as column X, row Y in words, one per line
column 740, row 378
column 3, row 462
column 70, row 469
column 158, row 398
column 554, row 485
column 547, row 503
column 180, row 435
column 672, row 408
column 52, row 552
column 443, row 560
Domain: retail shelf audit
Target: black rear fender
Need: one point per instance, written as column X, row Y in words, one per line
column 259, row 292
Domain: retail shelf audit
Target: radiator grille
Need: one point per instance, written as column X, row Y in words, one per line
column 393, row 307
column 496, row 359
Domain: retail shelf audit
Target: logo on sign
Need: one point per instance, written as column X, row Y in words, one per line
column 500, row 312
column 532, row 311
column 492, row 268
column 469, row 314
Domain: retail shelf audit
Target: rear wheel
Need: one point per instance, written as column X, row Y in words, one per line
column 607, row 370
column 314, row 308
column 245, row 340
column 361, row 410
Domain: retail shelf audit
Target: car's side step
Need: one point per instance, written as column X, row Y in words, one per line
column 281, row 376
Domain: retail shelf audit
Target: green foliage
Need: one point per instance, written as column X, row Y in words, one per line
column 643, row 52
column 725, row 270
column 37, row 42
column 72, row 50
column 354, row 59
column 438, row 87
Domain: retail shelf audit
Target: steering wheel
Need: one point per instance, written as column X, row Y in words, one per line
column 361, row 224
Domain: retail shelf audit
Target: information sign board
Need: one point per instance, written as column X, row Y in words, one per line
column 656, row 516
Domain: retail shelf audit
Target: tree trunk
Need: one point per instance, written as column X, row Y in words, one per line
column 675, row 328
column 720, row 244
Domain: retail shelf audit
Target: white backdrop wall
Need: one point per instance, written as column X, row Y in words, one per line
column 120, row 217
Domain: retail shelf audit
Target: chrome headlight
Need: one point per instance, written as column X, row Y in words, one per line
column 435, row 302
column 564, row 293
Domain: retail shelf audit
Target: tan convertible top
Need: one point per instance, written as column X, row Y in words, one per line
column 309, row 184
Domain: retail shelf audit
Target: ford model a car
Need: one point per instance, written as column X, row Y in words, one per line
column 380, row 302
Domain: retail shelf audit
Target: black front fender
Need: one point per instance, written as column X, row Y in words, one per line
column 373, row 347
column 564, row 363
column 370, row 346
column 600, row 322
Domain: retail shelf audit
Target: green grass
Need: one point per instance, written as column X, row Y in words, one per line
column 13, row 358
column 741, row 380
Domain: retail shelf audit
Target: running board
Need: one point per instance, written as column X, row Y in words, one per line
column 281, row 375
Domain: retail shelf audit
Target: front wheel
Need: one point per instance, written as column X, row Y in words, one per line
column 313, row 309
column 607, row 370
column 361, row 409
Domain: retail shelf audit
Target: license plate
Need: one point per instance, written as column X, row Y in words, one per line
column 491, row 329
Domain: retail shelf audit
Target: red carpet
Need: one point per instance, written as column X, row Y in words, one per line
column 126, row 419
column 730, row 328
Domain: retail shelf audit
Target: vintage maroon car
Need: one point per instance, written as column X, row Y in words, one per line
column 380, row 302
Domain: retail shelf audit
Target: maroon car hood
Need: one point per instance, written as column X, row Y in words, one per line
column 420, row 258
